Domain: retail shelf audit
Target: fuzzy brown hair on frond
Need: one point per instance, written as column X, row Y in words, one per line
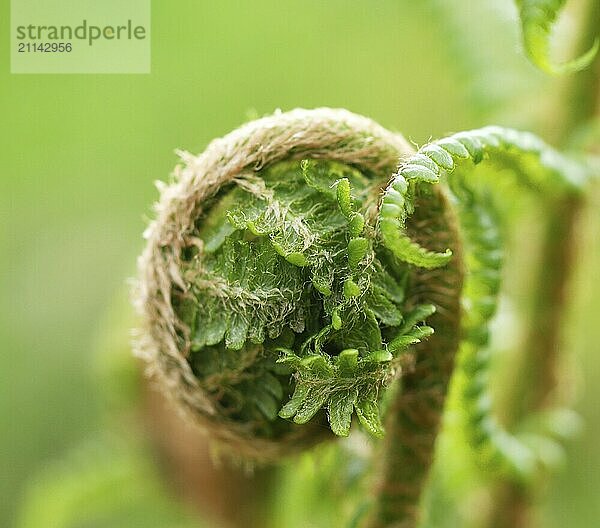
column 308, row 259
column 269, row 303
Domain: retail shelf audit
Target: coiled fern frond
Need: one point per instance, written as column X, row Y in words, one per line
column 538, row 18
column 265, row 278
column 289, row 278
column 539, row 168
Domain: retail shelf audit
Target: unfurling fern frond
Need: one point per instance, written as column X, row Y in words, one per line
column 268, row 297
column 538, row 17
column 502, row 147
column 287, row 281
column 538, row 167
column 498, row 451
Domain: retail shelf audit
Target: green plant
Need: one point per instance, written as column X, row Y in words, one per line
column 291, row 282
column 288, row 281
column 430, row 66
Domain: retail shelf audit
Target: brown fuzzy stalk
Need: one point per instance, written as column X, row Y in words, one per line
column 414, row 416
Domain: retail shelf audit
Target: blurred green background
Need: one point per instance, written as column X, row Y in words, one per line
column 79, row 154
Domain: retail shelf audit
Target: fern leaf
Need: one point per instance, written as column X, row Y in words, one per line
column 341, row 407
column 310, row 406
column 293, row 405
column 367, row 411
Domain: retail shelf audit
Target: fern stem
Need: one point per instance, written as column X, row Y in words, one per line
column 543, row 342
column 414, row 415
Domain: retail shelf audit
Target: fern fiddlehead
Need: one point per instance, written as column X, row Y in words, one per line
column 260, row 267
column 281, row 289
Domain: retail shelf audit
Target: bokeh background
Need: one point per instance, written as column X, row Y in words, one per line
column 79, row 154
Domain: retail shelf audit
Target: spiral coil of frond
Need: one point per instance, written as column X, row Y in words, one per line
column 287, row 280
column 214, row 338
